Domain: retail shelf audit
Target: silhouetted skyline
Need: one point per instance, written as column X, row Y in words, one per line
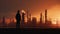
column 32, row 12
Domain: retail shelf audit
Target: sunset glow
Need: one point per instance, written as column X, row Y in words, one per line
column 27, row 12
column 53, row 13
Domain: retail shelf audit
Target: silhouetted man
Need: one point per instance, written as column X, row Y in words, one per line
column 18, row 19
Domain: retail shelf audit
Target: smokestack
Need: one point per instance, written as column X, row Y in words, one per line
column 45, row 16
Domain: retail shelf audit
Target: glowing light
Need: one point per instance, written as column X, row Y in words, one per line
column 54, row 21
column 15, row 20
column 23, row 11
column 7, row 21
column 53, row 13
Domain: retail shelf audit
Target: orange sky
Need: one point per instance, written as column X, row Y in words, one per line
column 10, row 8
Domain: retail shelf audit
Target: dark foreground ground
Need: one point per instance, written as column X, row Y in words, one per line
column 30, row 30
